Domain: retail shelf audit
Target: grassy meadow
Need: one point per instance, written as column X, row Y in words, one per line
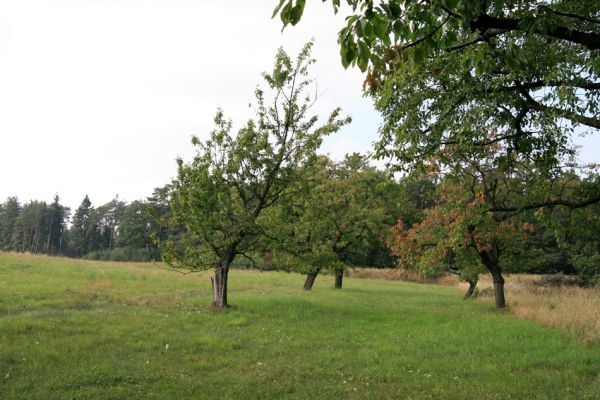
column 72, row 329
column 548, row 299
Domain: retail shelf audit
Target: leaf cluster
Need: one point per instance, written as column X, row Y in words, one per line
column 219, row 197
column 453, row 78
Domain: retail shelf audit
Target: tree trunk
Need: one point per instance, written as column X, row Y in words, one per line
column 310, row 280
column 498, row 288
column 219, row 282
column 34, row 240
column 219, row 286
column 490, row 260
column 49, row 241
column 339, row 276
column 471, row 289
column 492, row 265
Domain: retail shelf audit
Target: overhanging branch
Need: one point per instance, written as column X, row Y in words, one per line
column 484, row 23
column 549, row 203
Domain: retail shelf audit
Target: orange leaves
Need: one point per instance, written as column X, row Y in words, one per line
column 432, row 169
column 527, row 227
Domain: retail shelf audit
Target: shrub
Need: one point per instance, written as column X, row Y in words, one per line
column 587, row 266
column 124, row 254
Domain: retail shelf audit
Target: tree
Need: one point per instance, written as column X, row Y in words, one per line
column 31, row 228
column 9, row 212
column 134, row 227
column 497, row 83
column 481, row 218
column 34, row 227
column 107, row 219
column 454, row 77
column 83, row 230
column 57, row 218
column 220, row 196
column 159, row 210
column 574, row 233
column 336, row 218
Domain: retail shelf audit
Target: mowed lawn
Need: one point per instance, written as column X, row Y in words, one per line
column 72, row 329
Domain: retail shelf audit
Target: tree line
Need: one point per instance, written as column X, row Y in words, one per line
column 113, row 231
column 339, row 215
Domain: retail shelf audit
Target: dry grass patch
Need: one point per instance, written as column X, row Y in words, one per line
column 160, row 298
column 149, row 300
column 99, row 284
column 397, row 274
column 574, row 310
column 552, row 300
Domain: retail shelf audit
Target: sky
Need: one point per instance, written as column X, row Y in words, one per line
column 100, row 97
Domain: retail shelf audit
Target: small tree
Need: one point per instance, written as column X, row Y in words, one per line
column 220, row 196
column 480, row 216
column 84, row 230
column 9, row 212
column 57, row 217
column 334, row 218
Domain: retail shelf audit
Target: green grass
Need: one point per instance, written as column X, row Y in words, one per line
column 72, row 329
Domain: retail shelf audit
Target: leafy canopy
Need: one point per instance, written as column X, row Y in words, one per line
column 219, row 197
column 338, row 214
column 452, row 77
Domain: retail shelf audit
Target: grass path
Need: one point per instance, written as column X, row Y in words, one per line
column 72, row 329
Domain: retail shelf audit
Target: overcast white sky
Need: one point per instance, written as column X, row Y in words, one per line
column 99, row 97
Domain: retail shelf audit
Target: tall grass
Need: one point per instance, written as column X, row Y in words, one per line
column 573, row 310
column 550, row 300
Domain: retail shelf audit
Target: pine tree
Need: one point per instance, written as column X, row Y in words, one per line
column 83, row 228
column 57, row 216
column 9, row 212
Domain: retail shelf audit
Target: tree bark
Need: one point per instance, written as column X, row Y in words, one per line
column 498, row 288
column 310, row 280
column 471, row 289
column 49, row 241
column 339, row 276
column 219, row 281
column 219, row 287
column 485, row 23
column 491, row 262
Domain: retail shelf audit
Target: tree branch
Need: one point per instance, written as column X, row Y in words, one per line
column 485, row 23
column 571, row 15
column 570, row 115
column 549, row 203
column 420, row 40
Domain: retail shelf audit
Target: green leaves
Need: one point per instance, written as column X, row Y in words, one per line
column 222, row 195
column 454, row 80
column 348, row 49
column 290, row 13
column 334, row 216
column 364, row 55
